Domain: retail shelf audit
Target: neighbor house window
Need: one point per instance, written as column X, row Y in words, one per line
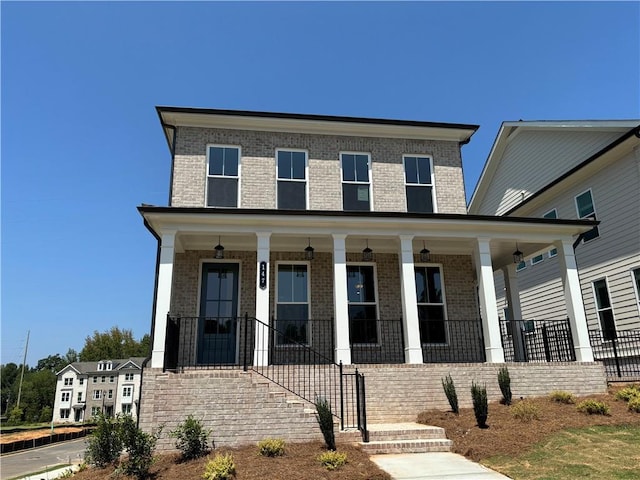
column 292, row 179
column 128, row 376
column 223, row 172
column 418, row 175
column 66, row 396
column 431, row 312
column 110, row 394
column 605, row 311
column 126, row 408
column 292, row 307
column 68, row 382
column 635, row 273
column 363, row 307
column 586, row 210
column 64, row 413
column 79, row 396
column 111, row 379
column 97, row 394
column 81, row 381
column 126, row 391
column 356, row 185
column 95, row 379
column 95, row 411
column 552, row 214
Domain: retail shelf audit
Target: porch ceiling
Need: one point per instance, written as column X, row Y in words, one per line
column 199, row 228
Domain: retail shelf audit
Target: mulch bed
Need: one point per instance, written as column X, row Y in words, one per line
column 507, row 435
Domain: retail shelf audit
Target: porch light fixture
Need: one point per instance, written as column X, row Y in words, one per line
column 425, row 254
column 518, row 256
column 219, row 250
column 367, row 253
column 308, row 252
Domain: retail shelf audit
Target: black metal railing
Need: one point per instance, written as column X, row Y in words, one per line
column 537, row 340
column 619, row 351
column 452, row 341
column 352, row 388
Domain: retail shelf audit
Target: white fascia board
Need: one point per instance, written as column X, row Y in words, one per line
column 316, row 127
column 70, row 366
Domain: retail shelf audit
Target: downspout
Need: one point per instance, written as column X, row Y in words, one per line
column 153, row 318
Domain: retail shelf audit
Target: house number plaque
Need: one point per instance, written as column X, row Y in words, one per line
column 263, row 275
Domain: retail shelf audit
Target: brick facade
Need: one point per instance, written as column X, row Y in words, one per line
column 258, row 168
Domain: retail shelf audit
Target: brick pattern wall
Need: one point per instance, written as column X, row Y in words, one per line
column 258, row 169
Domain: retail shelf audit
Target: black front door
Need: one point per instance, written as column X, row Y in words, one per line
column 218, row 326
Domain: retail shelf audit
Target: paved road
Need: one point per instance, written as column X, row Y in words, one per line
column 29, row 461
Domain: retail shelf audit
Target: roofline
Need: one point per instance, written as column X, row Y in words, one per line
column 634, row 131
column 507, row 127
column 151, row 209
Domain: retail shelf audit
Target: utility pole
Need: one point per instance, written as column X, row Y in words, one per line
column 24, row 361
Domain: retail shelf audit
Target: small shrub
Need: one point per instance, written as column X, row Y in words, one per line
column 593, row 407
column 325, row 420
column 525, row 411
column 628, row 393
column 562, row 397
column 15, row 416
column 46, row 414
column 480, row 404
column 105, row 444
column 332, row 460
column 504, row 381
column 139, row 445
column 450, row 392
column 222, row 467
column 191, row 438
column 634, row 404
column 271, row 447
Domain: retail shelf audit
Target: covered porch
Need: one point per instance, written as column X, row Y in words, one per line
column 269, row 287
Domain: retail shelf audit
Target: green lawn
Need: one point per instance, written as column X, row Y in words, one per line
column 611, row 452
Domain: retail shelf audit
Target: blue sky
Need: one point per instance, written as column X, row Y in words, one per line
column 82, row 146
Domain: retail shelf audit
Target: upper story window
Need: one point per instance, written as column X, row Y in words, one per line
column 418, row 175
column 356, row 184
column 223, row 172
column 552, row 214
column 292, row 179
column 586, row 210
column 68, row 381
column 537, row 259
column 128, row 376
column 81, row 381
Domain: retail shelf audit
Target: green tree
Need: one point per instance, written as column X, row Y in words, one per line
column 53, row 363
column 38, row 392
column 114, row 343
column 9, row 377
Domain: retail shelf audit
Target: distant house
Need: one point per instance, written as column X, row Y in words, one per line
column 85, row 389
column 571, row 170
column 298, row 247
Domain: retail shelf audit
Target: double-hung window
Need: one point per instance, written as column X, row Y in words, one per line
column 223, row 173
column 68, row 381
column 128, row 376
column 552, row 214
column 431, row 311
column 635, row 274
column 605, row 310
column 292, row 307
column 292, row 179
column 586, row 210
column 127, row 391
column 363, row 307
column 418, row 175
column 97, row 394
column 356, row 184
column 66, row 396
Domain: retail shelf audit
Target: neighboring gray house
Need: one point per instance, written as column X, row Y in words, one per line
column 570, row 170
column 293, row 241
column 84, row 389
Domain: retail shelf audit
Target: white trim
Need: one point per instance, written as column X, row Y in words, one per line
column 554, row 251
column 306, row 174
column 434, row 203
column 375, row 294
column 207, row 176
column 307, row 303
column 444, row 303
column 355, row 182
column 590, row 216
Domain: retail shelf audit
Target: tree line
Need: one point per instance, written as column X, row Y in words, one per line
column 39, row 382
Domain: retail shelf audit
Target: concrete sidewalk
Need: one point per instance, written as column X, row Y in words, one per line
column 432, row 466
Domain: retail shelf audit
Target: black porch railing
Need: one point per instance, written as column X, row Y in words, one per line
column 619, row 351
column 537, row 340
column 452, row 341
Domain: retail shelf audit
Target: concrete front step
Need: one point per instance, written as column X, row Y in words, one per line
column 405, row 438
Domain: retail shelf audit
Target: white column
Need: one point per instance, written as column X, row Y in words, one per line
column 340, row 300
column 488, row 304
column 163, row 297
column 515, row 310
column 411, row 324
column 261, row 348
column 573, row 300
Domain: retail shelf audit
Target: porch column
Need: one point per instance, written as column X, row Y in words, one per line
column 261, row 349
column 515, row 310
column 488, row 304
column 163, row 297
column 573, row 300
column 340, row 300
column 411, row 324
